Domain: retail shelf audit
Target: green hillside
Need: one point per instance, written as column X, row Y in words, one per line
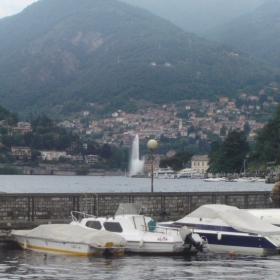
column 60, row 57
column 256, row 33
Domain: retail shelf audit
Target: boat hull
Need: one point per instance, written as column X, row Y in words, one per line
column 154, row 248
column 221, row 242
column 47, row 246
column 70, row 240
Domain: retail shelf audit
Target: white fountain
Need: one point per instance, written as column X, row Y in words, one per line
column 136, row 166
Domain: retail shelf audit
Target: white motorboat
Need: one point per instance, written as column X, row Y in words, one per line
column 69, row 239
column 218, row 179
column 141, row 233
column 189, row 173
column 228, row 228
column 164, row 173
column 245, row 179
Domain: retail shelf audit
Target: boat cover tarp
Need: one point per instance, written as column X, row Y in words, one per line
column 270, row 215
column 72, row 234
column 239, row 219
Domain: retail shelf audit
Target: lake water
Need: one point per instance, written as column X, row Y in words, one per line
column 22, row 264
column 95, row 184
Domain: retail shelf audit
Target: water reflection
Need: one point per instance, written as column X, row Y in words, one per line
column 23, row 264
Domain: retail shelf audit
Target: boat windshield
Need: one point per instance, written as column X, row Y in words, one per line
column 129, row 208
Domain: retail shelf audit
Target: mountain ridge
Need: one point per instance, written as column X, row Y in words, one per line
column 106, row 55
column 256, row 33
column 197, row 16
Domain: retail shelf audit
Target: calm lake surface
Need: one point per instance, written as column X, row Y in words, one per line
column 22, row 264
column 92, row 184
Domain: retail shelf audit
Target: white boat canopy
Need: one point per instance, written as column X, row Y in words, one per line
column 72, row 234
column 239, row 219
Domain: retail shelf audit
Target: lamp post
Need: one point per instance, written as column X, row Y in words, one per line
column 152, row 145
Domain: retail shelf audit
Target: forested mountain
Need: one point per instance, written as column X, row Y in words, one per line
column 59, row 57
column 198, row 16
column 7, row 116
column 256, row 33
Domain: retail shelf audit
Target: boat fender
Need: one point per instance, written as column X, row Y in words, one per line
column 141, row 243
column 219, row 236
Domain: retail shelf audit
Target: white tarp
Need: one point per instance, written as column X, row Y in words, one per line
column 239, row 219
column 72, row 234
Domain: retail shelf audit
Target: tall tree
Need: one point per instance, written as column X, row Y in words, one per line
column 228, row 156
column 267, row 146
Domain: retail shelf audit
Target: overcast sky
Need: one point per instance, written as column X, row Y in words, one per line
column 11, row 7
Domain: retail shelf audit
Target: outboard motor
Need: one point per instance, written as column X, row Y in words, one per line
column 191, row 239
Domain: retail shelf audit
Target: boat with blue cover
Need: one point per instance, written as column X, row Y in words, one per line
column 228, row 228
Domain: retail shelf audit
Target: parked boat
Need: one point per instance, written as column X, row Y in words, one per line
column 245, row 179
column 215, row 180
column 141, row 233
column 228, row 228
column 259, row 179
column 220, row 179
column 165, row 173
column 189, row 173
column 230, row 180
column 70, row 239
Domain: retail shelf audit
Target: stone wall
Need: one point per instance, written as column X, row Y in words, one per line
column 62, row 171
column 27, row 210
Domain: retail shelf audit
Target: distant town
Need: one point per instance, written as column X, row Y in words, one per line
column 196, row 119
column 203, row 116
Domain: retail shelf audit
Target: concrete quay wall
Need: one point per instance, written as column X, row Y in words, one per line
column 57, row 170
column 29, row 210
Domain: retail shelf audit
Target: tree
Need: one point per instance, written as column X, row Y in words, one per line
column 247, row 128
column 93, row 148
column 120, row 158
column 223, row 130
column 3, row 130
column 177, row 162
column 267, row 145
column 191, row 129
column 228, row 156
column 106, row 151
column 63, row 142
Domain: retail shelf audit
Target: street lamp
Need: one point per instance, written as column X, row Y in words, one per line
column 152, row 145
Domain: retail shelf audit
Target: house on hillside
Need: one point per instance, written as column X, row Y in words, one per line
column 92, row 159
column 21, row 130
column 20, row 152
column 52, row 155
column 200, row 163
